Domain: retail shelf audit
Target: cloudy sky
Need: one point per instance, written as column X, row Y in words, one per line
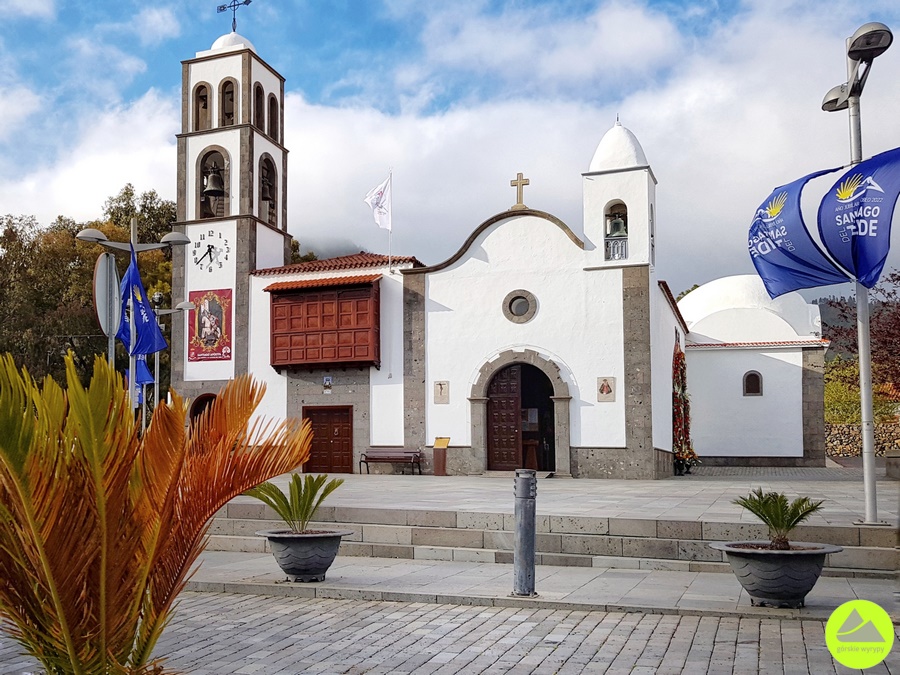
column 456, row 97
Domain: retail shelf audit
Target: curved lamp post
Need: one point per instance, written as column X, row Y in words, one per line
column 95, row 236
column 867, row 43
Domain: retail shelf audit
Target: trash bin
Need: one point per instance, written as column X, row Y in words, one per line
column 440, row 461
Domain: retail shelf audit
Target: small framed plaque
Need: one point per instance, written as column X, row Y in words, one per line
column 441, row 392
column 606, row 389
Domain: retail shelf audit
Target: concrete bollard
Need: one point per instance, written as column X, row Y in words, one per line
column 523, row 555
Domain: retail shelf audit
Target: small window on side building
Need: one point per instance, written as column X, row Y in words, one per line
column 753, row 385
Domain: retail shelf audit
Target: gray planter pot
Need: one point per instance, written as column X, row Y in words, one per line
column 777, row 578
column 304, row 557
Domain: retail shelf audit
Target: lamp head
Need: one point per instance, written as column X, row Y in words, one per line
column 175, row 239
column 869, row 41
column 836, row 99
column 91, row 235
column 185, row 306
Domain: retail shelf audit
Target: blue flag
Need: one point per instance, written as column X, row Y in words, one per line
column 785, row 256
column 148, row 336
column 855, row 216
column 142, row 376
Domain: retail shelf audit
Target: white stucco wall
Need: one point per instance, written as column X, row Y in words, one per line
column 199, row 279
column 274, row 403
column 386, row 384
column 578, row 325
column 726, row 423
column 663, row 325
column 269, row 248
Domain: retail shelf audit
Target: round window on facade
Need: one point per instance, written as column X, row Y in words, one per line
column 519, row 306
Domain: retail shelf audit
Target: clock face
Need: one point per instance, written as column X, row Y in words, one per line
column 211, row 250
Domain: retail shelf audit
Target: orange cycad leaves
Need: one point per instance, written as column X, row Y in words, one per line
column 99, row 527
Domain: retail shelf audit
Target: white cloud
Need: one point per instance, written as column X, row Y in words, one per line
column 41, row 9
column 156, row 24
column 129, row 144
column 17, row 105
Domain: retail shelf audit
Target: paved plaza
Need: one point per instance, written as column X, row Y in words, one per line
column 381, row 615
column 216, row 633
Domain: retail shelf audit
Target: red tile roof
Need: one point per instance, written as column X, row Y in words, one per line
column 812, row 342
column 359, row 260
column 321, row 283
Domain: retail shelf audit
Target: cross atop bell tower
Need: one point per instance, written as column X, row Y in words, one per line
column 233, row 6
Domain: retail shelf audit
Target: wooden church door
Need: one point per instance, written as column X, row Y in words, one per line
column 332, row 444
column 504, row 433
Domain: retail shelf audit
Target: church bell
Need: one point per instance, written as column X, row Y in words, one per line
column 617, row 227
column 215, row 186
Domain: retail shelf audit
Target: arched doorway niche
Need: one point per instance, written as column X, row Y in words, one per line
column 559, row 398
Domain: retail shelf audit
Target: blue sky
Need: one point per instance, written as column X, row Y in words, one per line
column 457, row 98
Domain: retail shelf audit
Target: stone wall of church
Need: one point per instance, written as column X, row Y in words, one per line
column 349, row 387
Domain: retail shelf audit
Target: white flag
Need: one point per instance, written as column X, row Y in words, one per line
column 379, row 198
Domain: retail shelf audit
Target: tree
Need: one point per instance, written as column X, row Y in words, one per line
column 686, row 291
column 297, row 257
column 884, row 328
column 842, row 401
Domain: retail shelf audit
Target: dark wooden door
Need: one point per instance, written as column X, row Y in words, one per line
column 332, row 445
column 504, row 428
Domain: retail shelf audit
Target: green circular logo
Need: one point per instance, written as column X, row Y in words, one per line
column 859, row 634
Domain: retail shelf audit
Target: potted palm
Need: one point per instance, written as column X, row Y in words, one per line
column 778, row 572
column 303, row 554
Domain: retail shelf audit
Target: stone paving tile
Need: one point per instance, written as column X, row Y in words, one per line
column 224, row 633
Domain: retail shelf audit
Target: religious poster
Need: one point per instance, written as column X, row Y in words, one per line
column 606, row 389
column 210, row 328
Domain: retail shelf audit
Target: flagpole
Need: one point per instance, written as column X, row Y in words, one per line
column 391, row 211
column 132, row 340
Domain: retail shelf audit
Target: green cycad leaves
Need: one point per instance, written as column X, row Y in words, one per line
column 305, row 495
column 781, row 516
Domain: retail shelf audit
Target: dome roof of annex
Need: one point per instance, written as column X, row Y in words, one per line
column 618, row 149
column 742, row 297
column 232, row 41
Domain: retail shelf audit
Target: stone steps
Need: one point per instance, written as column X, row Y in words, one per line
column 561, row 540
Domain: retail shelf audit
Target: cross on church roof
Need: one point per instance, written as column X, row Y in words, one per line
column 233, row 6
column 519, row 183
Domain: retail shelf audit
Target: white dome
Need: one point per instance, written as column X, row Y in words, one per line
column 618, row 149
column 232, row 41
column 738, row 308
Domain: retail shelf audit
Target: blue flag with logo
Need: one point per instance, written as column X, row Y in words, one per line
column 148, row 336
column 785, row 256
column 855, row 216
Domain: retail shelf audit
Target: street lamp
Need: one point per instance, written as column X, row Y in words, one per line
column 95, row 236
column 868, row 42
column 180, row 307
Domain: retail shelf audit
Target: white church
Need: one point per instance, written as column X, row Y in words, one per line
column 557, row 355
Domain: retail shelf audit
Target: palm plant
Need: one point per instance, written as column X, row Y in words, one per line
column 305, row 494
column 99, row 527
column 778, row 514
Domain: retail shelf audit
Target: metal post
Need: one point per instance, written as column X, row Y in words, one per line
column 112, row 297
column 523, row 555
column 863, row 342
column 132, row 361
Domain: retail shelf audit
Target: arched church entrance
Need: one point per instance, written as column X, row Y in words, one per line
column 520, row 420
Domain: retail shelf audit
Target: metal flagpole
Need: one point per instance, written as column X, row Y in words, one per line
column 391, row 212
column 132, row 340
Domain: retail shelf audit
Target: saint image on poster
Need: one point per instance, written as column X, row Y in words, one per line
column 209, row 332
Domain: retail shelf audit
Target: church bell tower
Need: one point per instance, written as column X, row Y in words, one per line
column 231, row 203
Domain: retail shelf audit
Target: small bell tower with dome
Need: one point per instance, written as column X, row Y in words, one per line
column 620, row 202
column 231, row 203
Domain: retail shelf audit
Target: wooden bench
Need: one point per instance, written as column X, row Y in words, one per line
column 392, row 456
